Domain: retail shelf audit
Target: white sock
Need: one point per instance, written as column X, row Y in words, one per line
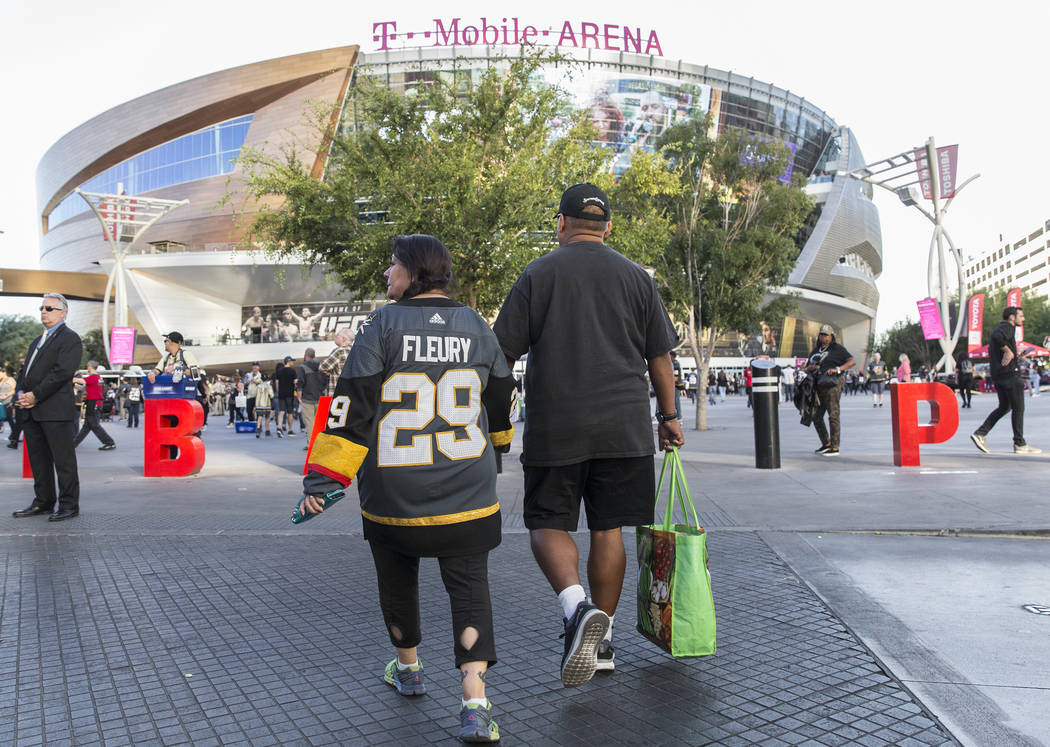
column 483, row 702
column 570, row 598
column 608, row 636
column 403, row 667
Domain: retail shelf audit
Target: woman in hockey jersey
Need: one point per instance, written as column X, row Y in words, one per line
column 424, row 383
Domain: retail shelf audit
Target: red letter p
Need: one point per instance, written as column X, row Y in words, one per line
column 907, row 432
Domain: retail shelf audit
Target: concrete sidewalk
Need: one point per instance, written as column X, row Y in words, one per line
column 190, row 611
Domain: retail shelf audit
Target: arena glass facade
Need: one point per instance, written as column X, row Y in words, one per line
column 192, row 276
column 632, row 99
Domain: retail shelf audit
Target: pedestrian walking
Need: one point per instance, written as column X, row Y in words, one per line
column 904, row 369
column 336, row 360
column 787, row 382
column 311, row 384
column 44, row 398
column 585, row 307
column 827, row 362
column 964, row 370
column 426, row 390
column 1002, row 359
column 92, row 384
column 878, row 375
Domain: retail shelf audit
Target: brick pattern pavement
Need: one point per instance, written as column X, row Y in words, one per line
column 177, row 635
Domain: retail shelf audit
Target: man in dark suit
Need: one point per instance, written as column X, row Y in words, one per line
column 44, row 396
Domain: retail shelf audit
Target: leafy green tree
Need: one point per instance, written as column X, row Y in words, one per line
column 475, row 162
column 733, row 227
column 16, row 332
column 94, row 348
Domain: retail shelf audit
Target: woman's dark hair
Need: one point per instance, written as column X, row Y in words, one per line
column 427, row 260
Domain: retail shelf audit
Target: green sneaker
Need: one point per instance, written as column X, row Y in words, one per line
column 406, row 681
column 476, row 725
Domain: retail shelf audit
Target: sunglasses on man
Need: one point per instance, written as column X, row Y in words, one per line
column 51, row 308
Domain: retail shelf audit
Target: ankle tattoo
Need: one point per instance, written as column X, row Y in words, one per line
column 465, row 673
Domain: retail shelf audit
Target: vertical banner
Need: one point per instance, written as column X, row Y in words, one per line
column 930, row 319
column 121, row 346
column 1013, row 298
column 975, row 315
column 947, row 160
column 947, row 165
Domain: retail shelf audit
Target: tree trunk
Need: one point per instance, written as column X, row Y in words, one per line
column 701, row 375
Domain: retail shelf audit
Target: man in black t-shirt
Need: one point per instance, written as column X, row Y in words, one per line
column 1002, row 359
column 584, row 307
column 828, row 359
column 285, row 381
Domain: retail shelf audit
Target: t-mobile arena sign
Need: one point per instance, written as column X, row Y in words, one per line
column 584, row 34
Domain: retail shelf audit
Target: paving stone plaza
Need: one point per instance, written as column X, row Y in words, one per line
column 190, row 611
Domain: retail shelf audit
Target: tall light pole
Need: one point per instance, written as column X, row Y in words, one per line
column 124, row 219
column 930, row 167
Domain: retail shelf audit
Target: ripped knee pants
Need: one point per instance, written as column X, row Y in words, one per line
column 466, row 580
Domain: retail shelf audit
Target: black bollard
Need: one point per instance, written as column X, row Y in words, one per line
column 765, row 400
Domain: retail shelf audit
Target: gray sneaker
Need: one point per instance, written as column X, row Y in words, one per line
column 476, row 724
column 406, row 681
column 978, row 441
column 606, row 657
column 1026, row 449
column 583, row 634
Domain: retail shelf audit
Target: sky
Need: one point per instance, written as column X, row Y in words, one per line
column 895, row 72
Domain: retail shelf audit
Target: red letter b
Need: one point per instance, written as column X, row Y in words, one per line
column 170, row 449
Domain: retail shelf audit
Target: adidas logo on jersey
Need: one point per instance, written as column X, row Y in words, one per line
column 436, row 319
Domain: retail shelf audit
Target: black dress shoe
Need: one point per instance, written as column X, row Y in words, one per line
column 12, row 444
column 31, row 511
column 63, row 514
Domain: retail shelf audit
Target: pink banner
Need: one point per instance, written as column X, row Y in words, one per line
column 975, row 314
column 947, row 164
column 121, row 346
column 930, row 319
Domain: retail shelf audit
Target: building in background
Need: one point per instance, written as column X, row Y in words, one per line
column 1021, row 264
column 194, row 273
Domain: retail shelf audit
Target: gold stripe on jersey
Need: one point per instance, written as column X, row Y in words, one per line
column 430, row 521
column 502, row 438
column 337, row 454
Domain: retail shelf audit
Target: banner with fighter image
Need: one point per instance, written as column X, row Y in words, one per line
column 975, row 317
column 1013, row 298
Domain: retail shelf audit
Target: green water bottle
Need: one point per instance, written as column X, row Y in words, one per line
column 299, row 515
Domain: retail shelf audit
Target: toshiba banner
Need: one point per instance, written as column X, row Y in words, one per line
column 947, row 163
column 975, row 316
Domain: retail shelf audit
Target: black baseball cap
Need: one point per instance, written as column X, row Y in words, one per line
column 175, row 337
column 288, row 358
column 579, row 196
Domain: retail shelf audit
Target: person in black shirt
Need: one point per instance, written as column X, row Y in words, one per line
column 1002, row 357
column 964, row 369
column 284, row 381
column 828, row 359
column 585, row 307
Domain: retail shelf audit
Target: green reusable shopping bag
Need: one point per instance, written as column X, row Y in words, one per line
column 676, row 610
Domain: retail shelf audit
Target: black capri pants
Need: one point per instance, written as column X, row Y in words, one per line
column 466, row 579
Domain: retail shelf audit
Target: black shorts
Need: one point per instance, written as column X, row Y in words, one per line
column 877, row 387
column 616, row 493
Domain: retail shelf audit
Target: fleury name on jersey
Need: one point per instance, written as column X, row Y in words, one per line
column 428, row 349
